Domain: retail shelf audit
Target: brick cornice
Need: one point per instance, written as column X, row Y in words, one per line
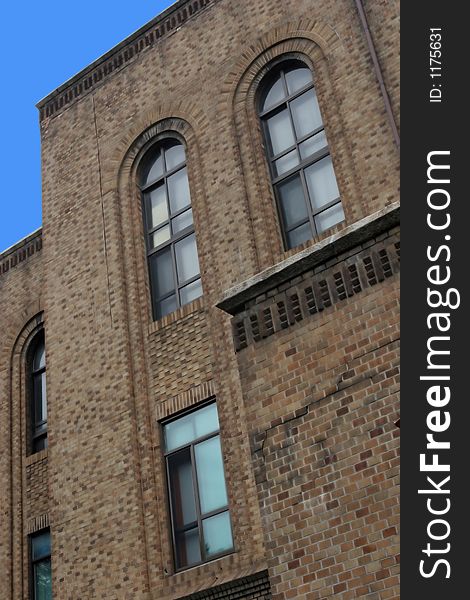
column 236, row 298
column 118, row 57
column 248, row 586
column 20, row 251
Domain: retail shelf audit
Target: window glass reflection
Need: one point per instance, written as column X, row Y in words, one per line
column 187, row 262
column 182, row 485
column 292, row 201
column 217, row 534
column 321, row 183
column 41, row 566
column 275, row 94
column 172, row 259
column 306, row 114
column 297, row 79
column 198, row 494
column 301, row 167
column 191, row 427
column 210, row 473
column 281, row 133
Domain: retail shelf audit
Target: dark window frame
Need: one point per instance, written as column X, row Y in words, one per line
column 280, row 69
column 199, row 515
column 151, row 153
column 34, row 561
column 37, row 428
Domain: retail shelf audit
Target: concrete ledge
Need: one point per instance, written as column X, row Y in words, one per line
column 354, row 235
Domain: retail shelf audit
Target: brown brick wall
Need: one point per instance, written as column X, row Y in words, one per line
column 322, row 398
column 23, row 490
column 307, row 475
column 37, row 485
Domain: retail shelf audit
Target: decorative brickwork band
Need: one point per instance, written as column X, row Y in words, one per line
column 166, row 23
column 196, row 394
column 20, row 252
column 253, row 587
column 316, row 291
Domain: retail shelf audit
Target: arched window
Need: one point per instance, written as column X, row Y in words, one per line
column 171, row 243
column 301, row 168
column 38, row 406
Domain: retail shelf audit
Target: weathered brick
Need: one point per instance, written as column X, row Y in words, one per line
column 305, row 371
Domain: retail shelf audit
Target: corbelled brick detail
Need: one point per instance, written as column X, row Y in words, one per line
column 20, row 252
column 314, row 292
column 252, row 588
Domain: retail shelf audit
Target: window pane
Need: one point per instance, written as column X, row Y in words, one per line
column 187, row 262
column 299, row 235
column 160, row 236
column 275, row 94
column 178, row 190
column 210, row 475
column 329, row 217
column 192, row 426
column 182, row 221
column 158, row 208
column 321, row 183
column 191, row 292
column 182, row 489
column 306, row 113
column 167, row 306
column 39, row 360
column 161, row 272
column 174, row 156
column 217, row 534
column 42, row 580
column 44, row 396
column 153, row 170
column 280, row 132
column 39, row 412
column 41, row 545
column 298, row 78
column 287, row 162
column 40, row 443
column 292, row 201
column 313, row 144
column 188, row 548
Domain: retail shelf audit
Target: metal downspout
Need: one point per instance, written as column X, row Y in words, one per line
column 378, row 71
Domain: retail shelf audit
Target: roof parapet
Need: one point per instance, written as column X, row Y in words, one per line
column 21, row 251
column 118, row 57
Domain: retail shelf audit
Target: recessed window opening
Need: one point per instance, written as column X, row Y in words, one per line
column 173, row 262
column 201, row 526
column 299, row 158
column 38, row 406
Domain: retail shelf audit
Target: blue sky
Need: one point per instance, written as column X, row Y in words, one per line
column 43, row 45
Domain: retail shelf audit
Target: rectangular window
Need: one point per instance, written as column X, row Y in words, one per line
column 41, row 566
column 196, row 484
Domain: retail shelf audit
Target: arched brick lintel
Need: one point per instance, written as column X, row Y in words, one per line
column 313, row 38
column 184, row 119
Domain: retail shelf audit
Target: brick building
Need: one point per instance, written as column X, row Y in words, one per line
column 222, row 380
